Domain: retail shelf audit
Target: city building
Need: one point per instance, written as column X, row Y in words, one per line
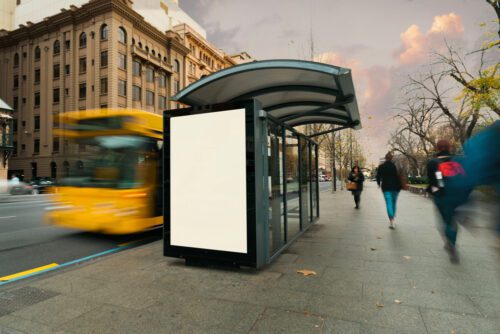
column 102, row 54
column 6, row 139
column 65, row 55
column 203, row 58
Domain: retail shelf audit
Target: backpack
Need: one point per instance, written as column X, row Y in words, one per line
column 455, row 181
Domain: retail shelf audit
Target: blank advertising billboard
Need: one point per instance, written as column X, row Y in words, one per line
column 208, row 203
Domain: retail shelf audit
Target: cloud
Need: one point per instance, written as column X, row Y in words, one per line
column 417, row 45
column 375, row 93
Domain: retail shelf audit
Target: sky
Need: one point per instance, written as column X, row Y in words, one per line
column 382, row 42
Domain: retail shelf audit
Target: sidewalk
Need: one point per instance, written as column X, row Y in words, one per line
column 361, row 266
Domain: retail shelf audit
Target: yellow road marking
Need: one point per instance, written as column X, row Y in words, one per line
column 27, row 272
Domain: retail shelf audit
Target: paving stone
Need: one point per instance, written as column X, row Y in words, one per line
column 335, row 326
column 56, row 311
column 282, row 321
column 444, row 322
column 16, row 325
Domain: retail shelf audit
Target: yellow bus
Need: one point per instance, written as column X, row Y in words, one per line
column 115, row 185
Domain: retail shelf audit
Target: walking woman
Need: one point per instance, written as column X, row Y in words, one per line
column 388, row 179
column 358, row 178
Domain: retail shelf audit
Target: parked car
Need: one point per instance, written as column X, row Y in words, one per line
column 322, row 178
column 42, row 184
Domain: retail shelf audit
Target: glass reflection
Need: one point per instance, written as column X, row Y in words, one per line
column 304, row 181
column 276, row 198
column 314, row 182
column 292, row 185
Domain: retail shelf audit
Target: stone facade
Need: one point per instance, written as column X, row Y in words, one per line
column 101, row 55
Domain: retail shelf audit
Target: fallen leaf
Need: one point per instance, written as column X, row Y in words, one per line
column 379, row 237
column 306, row 272
column 379, row 304
column 433, row 291
column 407, row 257
column 397, row 301
column 373, row 248
column 453, row 331
column 317, row 326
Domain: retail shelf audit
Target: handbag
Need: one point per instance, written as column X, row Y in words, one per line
column 351, row 186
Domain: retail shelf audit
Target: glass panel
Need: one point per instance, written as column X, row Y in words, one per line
column 276, row 198
column 305, row 194
column 292, row 185
column 314, row 181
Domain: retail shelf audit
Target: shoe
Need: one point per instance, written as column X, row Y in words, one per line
column 452, row 250
column 391, row 227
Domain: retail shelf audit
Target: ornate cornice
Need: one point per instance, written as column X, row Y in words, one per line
column 76, row 15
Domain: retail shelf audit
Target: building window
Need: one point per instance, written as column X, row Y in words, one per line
column 67, row 44
column 150, row 98
column 57, row 47
column 36, row 150
column 122, row 35
column 136, row 68
column 122, row 61
column 136, row 93
column 104, row 58
column 122, row 87
column 176, row 66
column 16, row 81
column 16, row 103
column 67, row 70
column 56, row 93
column 66, row 92
column 16, row 60
column 83, row 65
column 14, row 125
column 176, row 86
column 37, row 75
column 104, row 32
column 104, row 85
column 14, row 151
column 55, row 145
column 83, row 40
column 82, row 91
column 37, row 123
column 149, row 74
column 56, row 69
column 162, row 102
column 162, row 80
column 37, row 99
column 37, row 53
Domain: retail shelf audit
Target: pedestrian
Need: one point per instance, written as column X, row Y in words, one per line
column 482, row 163
column 388, row 179
column 357, row 178
column 446, row 177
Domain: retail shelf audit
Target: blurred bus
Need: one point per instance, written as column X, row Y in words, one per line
column 115, row 187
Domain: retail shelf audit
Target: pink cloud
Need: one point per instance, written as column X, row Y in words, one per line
column 375, row 93
column 417, row 45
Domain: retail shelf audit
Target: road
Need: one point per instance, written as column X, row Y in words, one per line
column 27, row 243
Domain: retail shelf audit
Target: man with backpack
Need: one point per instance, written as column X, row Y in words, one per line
column 448, row 186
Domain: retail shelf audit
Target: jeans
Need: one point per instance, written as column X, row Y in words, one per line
column 447, row 210
column 391, row 198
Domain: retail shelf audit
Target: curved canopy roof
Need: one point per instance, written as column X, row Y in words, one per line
column 293, row 91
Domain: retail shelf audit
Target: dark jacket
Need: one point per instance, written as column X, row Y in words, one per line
column 357, row 178
column 388, row 176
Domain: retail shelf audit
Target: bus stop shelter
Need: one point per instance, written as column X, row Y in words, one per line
column 240, row 181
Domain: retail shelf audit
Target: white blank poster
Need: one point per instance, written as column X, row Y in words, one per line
column 208, row 181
